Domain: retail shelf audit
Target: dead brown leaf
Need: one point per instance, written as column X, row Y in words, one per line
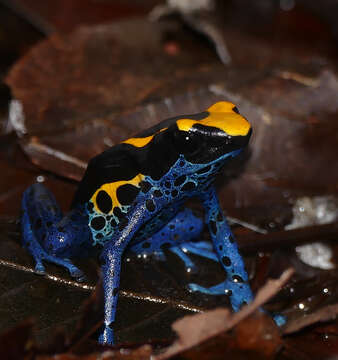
column 196, row 329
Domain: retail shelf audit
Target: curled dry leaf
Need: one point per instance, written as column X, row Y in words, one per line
column 196, row 329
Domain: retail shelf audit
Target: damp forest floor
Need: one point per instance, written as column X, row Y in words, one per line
column 77, row 77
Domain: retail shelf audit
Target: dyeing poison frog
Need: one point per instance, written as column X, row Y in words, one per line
column 132, row 197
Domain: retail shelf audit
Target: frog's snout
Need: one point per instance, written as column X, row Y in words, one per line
column 242, row 141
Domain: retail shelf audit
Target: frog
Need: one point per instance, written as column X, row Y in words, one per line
column 132, row 198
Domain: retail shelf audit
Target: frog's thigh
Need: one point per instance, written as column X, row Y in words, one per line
column 184, row 227
column 40, row 212
column 39, row 209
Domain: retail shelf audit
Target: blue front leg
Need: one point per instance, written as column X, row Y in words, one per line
column 111, row 267
column 236, row 285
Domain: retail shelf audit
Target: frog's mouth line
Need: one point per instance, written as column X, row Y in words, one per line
column 221, row 151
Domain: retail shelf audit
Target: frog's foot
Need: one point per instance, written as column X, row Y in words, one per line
column 180, row 252
column 239, row 293
column 40, row 255
column 74, row 272
column 201, row 248
column 39, row 267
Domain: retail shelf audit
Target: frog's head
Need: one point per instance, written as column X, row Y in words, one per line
column 218, row 133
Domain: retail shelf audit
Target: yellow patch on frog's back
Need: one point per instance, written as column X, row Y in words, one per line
column 141, row 141
column 138, row 142
column 221, row 116
column 111, row 190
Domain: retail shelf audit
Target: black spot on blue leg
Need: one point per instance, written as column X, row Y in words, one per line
column 213, row 227
column 237, row 279
column 150, row 205
column 188, row 186
column 174, row 193
column 115, row 291
column 146, row 245
column 204, row 170
column 180, row 180
column 165, row 246
column 145, row 186
column 226, row 261
column 158, row 193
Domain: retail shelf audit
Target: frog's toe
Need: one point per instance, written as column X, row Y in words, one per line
column 188, row 263
column 193, row 269
column 220, row 289
column 107, row 336
column 159, row 255
column 39, row 268
column 77, row 274
column 279, row 319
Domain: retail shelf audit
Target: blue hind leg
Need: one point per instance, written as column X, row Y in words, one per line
column 184, row 227
column 40, row 216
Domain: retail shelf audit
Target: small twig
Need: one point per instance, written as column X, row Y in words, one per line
column 327, row 313
column 288, row 238
column 30, row 16
column 247, row 225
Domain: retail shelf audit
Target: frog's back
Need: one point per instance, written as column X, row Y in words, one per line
column 151, row 152
column 113, row 165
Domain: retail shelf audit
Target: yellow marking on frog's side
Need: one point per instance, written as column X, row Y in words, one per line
column 221, row 116
column 111, row 189
column 141, row 141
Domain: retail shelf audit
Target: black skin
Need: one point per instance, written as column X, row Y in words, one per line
column 201, row 144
